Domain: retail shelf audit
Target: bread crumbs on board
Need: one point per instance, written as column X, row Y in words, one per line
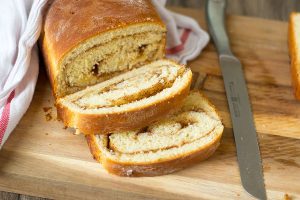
column 48, row 111
column 287, row 197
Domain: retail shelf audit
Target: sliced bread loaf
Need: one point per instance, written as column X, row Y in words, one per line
column 128, row 101
column 191, row 134
column 85, row 42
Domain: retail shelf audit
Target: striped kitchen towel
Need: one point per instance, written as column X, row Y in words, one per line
column 185, row 38
column 21, row 21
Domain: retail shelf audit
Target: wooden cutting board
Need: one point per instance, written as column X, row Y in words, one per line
column 41, row 158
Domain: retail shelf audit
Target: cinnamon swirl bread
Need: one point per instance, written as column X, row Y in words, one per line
column 85, row 42
column 128, row 101
column 191, row 134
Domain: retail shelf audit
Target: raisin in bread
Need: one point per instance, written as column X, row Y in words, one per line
column 191, row 134
column 128, row 101
column 85, row 42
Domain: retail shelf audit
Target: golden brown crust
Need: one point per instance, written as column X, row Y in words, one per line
column 91, row 140
column 159, row 168
column 68, row 23
column 295, row 63
column 133, row 119
column 49, row 66
column 152, row 169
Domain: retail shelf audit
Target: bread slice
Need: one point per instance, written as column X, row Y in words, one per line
column 85, row 42
column 191, row 134
column 294, row 48
column 128, row 101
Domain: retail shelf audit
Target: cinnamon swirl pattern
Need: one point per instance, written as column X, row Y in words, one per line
column 128, row 101
column 180, row 139
column 86, row 42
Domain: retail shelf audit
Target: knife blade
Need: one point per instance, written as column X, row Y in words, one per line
column 248, row 154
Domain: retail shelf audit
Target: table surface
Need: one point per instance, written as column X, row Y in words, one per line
column 236, row 7
column 268, row 9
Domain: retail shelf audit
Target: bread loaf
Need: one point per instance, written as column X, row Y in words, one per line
column 294, row 49
column 85, row 42
column 128, row 101
column 191, row 134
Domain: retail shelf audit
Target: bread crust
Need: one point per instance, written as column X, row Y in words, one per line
column 294, row 58
column 69, row 23
column 162, row 167
column 135, row 118
column 152, row 169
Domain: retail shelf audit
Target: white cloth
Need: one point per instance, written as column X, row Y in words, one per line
column 20, row 22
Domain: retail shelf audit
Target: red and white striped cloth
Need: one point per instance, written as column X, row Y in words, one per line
column 185, row 38
column 20, row 22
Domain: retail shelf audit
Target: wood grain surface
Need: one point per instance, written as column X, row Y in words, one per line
column 269, row 9
column 41, row 158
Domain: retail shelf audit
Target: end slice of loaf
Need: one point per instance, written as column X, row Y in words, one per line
column 190, row 135
column 294, row 49
column 85, row 42
column 128, row 101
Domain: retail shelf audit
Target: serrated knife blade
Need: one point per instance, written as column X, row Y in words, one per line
column 245, row 136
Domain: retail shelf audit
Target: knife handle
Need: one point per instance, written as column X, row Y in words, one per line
column 215, row 16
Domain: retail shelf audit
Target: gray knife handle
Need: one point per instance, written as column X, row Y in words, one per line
column 215, row 15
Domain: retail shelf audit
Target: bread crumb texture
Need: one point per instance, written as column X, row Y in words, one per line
column 193, row 127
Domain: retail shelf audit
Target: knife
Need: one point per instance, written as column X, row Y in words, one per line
column 245, row 136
